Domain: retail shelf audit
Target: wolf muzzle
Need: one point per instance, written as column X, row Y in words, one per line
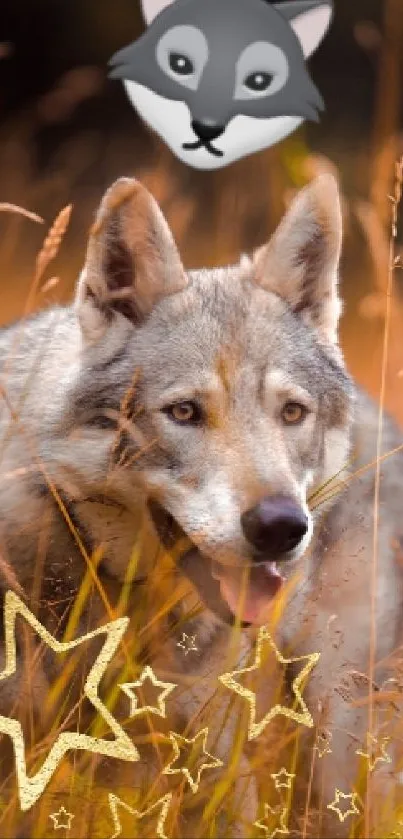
column 274, row 526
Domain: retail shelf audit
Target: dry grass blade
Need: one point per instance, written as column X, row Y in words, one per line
column 9, row 576
column 53, row 240
column 50, row 284
column 14, row 208
column 395, row 200
column 48, row 252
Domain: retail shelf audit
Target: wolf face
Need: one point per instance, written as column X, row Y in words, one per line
column 241, row 402
column 221, row 79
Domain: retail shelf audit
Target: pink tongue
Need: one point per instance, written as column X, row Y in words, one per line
column 249, row 597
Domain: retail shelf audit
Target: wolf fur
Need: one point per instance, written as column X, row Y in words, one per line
column 90, row 459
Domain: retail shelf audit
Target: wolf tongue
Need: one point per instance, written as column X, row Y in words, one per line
column 250, row 597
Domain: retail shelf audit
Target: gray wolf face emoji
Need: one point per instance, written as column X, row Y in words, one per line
column 221, row 79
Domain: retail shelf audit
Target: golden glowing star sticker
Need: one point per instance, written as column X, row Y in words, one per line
column 181, row 743
column 322, row 744
column 269, row 812
column 303, row 716
column 62, row 820
column 128, row 689
column 188, row 643
column 376, row 751
column 162, row 805
column 282, row 779
column 31, row 788
column 345, row 796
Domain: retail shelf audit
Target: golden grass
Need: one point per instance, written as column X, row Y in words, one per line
column 395, row 201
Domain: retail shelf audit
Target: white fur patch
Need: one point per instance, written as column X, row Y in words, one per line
column 172, row 121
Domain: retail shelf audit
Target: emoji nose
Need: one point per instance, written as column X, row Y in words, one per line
column 207, row 130
column 275, row 525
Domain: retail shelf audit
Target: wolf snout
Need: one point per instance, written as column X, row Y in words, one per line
column 207, row 131
column 276, row 525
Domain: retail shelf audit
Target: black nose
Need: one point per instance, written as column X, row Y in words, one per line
column 275, row 525
column 207, row 131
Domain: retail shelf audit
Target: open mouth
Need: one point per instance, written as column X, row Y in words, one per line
column 242, row 591
column 249, row 591
column 198, row 144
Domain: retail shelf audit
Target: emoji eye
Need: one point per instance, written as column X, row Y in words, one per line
column 182, row 54
column 181, row 64
column 293, row 413
column 258, row 82
column 261, row 71
column 188, row 413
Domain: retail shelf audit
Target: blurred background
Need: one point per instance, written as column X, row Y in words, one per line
column 66, row 132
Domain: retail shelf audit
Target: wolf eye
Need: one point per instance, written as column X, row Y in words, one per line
column 293, row 413
column 258, row 82
column 181, row 64
column 188, row 413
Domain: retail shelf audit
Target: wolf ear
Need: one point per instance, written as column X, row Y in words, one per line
column 152, row 8
column 310, row 20
column 132, row 260
column 300, row 262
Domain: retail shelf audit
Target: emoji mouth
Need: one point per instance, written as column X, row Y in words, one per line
column 198, row 144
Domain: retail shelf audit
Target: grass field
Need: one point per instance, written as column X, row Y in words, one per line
column 45, row 215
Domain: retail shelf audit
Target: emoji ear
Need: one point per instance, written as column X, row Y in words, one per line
column 310, row 20
column 152, row 8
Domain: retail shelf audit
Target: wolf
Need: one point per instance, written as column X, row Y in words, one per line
column 193, row 440
column 221, row 79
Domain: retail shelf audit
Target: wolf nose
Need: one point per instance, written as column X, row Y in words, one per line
column 207, row 131
column 275, row 525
